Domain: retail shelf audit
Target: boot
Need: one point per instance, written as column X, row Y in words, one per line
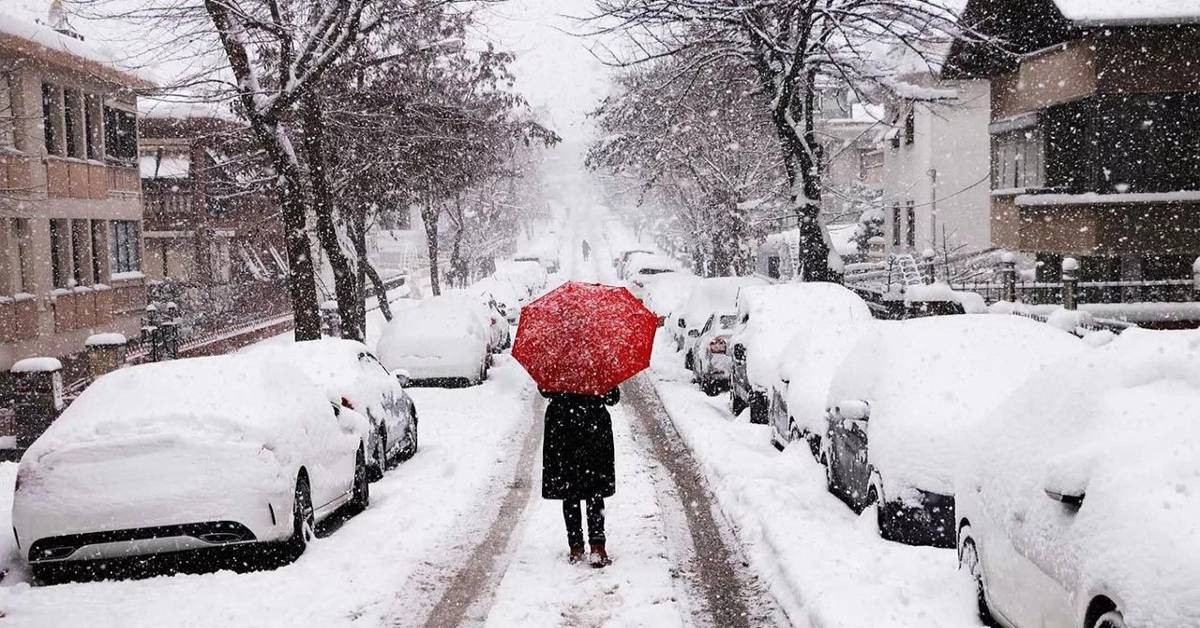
column 599, row 557
column 576, row 556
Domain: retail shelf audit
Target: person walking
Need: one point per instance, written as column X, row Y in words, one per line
column 587, row 250
column 578, row 466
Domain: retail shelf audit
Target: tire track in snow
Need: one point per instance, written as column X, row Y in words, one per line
column 470, row 590
column 733, row 596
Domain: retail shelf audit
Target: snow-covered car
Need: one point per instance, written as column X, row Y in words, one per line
column 547, row 260
column 711, row 364
column 191, row 454
column 809, row 363
column 904, row 401
column 354, row 378
column 713, row 295
column 622, row 258
column 528, row 277
column 487, row 312
column 667, row 292
column 1079, row 503
column 503, row 293
column 767, row 317
column 643, row 270
column 439, row 341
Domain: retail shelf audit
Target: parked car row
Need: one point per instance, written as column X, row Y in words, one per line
column 1063, row 475
column 211, row 454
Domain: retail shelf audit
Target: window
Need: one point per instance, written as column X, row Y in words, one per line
column 910, row 125
column 73, row 130
column 911, row 233
column 773, row 267
column 120, row 135
column 896, row 220
column 1017, row 160
column 81, row 266
column 60, row 253
column 97, row 251
column 95, row 130
column 124, row 246
column 221, row 261
column 52, row 118
column 22, row 280
column 7, row 116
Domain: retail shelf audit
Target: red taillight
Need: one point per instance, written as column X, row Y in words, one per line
column 717, row 345
column 346, row 403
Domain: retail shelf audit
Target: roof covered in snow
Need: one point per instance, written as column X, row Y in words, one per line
column 1120, row 12
column 21, row 32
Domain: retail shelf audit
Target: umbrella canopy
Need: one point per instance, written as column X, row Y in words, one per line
column 584, row 338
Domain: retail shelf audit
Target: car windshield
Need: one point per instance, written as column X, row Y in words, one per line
column 654, row 271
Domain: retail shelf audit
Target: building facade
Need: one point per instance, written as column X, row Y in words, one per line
column 70, row 200
column 933, row 168
column 1095, row 133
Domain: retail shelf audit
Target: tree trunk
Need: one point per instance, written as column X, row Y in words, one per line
column 302, row 283
column 344, row 281
column 429, row 216
column 367, row 272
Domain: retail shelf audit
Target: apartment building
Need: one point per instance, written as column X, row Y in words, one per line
column 70, row 197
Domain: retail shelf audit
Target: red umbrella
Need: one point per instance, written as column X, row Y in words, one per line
column 584, row 338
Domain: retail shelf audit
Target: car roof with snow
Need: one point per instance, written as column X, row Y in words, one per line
column 929, row 380
column 343, row 367
column 667, row 291
column 768, row 316
column 652, row 261
column 1119, row 427
column 714, row 295
column 231, row 397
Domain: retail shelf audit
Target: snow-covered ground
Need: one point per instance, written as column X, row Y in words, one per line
column 369, row 572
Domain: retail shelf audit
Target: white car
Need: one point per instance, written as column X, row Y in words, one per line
column 667, row 292
column 487, row 313
column 714, row 295
column 547, row 260
column 642, row 270
column 767, row 317
column 1079, row 504
column 439, row 341
column 354, row 378
column 711, row 364
column 623, row 257
column 528, row 277
column 905, row 400
column 508, row 302
column 189, row 454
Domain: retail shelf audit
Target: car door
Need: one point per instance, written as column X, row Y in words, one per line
column 334, row 444
column 1044, row 563
column 848, row 462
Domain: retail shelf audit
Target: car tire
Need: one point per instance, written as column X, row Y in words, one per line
column 968, row 559
column 736, row 404
column 759, row 410
column 381, row 459
column 410, row 447
column 709, row 386
column 689, row 361
column 1111, row 619
column 303, row 519
column 360, row 496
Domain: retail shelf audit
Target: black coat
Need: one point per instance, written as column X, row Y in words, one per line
column 577, row 454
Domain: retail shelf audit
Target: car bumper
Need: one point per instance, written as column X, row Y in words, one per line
column 152, row 502
column 420, row 369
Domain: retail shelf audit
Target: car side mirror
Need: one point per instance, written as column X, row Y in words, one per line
column 693, row 333
column 1074, row 500
column 402, row 377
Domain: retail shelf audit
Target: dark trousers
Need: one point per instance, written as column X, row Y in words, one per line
column 595, row 522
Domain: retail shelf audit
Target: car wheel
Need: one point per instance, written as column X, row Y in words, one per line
column 736, row 404
column 1111, row 619
column 689, row 361
column 303, row 518
column 758, row 409
column 381, row 459
column 410, row 447
column 968, row 560
column 709, row 386
column 361, row 495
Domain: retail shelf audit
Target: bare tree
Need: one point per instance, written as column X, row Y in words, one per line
column 790, row 46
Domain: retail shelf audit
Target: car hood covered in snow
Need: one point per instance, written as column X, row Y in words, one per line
column 436, row 328
column 931, row 381
column 1118, row 425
